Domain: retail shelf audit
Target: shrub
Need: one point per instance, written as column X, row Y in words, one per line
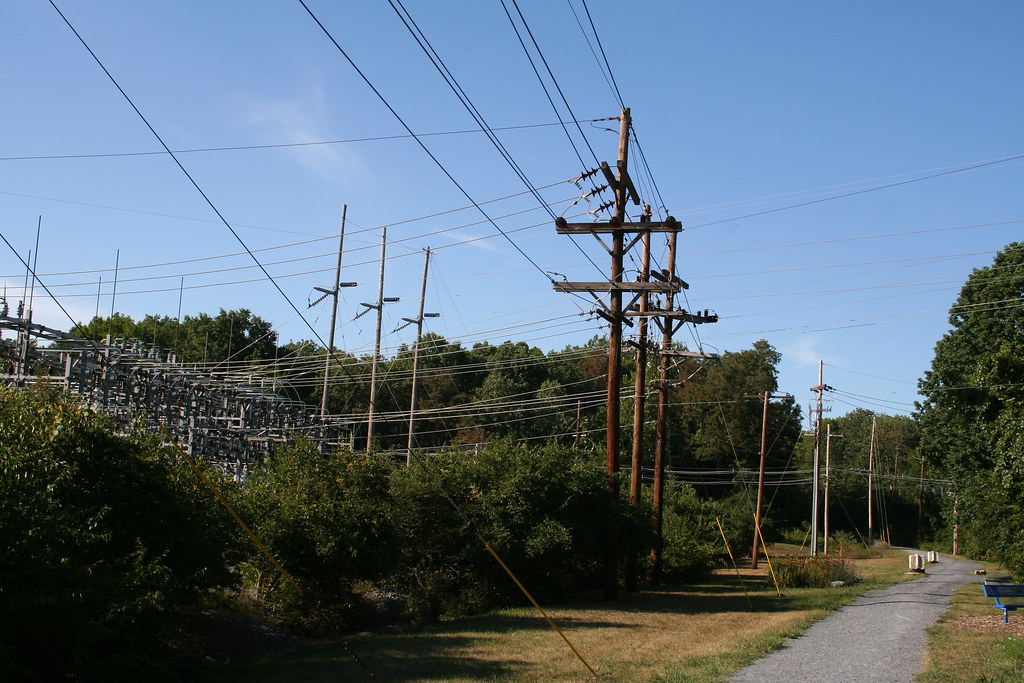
column 544, row 510
column 324, row 519
column 812, row 572
column 99, row 537
column 692, row 541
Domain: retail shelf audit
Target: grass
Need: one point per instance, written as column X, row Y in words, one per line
column 685, row 633
column 971, row 643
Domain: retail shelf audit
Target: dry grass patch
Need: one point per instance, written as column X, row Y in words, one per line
column 687, row 633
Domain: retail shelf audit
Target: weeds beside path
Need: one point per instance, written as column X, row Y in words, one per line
column 689, row 633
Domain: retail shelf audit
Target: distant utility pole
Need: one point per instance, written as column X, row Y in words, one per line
column 820, row 390
column 379, row 307
column 920, row 506
column 871, row 483
column 333, row 292
column 418, row 322
column 760, row 473
column 828, row 479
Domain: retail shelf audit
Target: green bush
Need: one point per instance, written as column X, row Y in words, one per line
column 100, row 536
column 793, row 571
column 692, row 543
column 324, row 518
column 544, row 510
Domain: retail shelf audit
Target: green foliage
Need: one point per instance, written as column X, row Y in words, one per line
column 793, row 571
column 721, row 425
column 692, row 542
column 99, row 537
column 238, row 335
column 324, row 519
column 543, row 510
column 973, row 414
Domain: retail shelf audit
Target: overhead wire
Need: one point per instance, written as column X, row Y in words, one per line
column 185, row 172
column 418, row 140
column 854, row 193
column 463, row 97
column 281, row 145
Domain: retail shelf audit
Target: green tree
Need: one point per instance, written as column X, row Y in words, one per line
column 973, row 412
column 230, row 335
column 238, row 335
column 721, row 417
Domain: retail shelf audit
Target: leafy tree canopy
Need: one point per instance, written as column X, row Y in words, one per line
column 972, row 418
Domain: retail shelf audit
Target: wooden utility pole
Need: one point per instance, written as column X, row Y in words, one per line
column 621, row 188
column 640, row 388
column 617, row 228
column 871, row 483
column 379, row 307
column 616, row 314
column 820, row 389
column 333, row 292
column 639, row 400
column 661, row 425
column 920, row 506
column 416, row 355
column 828, row 480
column 579, row 424
column 760, row 475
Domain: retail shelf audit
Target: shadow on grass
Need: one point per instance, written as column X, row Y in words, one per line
column 456, row 650
column 420, row 656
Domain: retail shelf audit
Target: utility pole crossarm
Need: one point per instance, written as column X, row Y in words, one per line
column 679, row 314
column 606, row 286
column 562, row 227
column 673, row 353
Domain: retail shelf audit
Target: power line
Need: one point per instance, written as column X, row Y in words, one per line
column 281, row 145
column 418, row 140
column 184, row 171
column 463, row 97
column 905, row 233
column 858, row 192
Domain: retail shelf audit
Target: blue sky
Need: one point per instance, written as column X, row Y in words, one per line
column 742, row 110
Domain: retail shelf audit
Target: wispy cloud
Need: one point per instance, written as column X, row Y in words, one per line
column 804, row 350
column 300, row 120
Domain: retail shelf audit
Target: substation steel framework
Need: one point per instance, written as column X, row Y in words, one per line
column 228, row 418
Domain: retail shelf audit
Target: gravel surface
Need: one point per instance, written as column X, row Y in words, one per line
column 880, row 637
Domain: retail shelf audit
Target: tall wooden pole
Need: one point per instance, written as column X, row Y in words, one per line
column 920, row 506
column 661, row 428
column 828, row 479
column 871, row 484
column 376, row 342
column 334, row 314
column 639, row 407
column 611, row 569
column 817, row 449
column 416, row 359
column 760, row 480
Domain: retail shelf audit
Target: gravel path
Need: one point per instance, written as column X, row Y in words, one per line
column 880, row 637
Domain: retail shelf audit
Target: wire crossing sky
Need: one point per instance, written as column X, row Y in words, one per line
column 839, row 168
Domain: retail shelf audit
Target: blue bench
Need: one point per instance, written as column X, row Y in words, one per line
column 1004, row 590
